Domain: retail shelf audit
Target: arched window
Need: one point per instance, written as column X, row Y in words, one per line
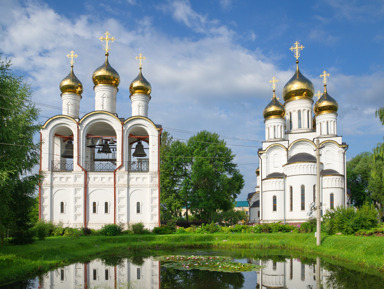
column 308, row 119
column 327, row 127
column 274, row 204
column 138, row 208
column 106, row 207
column 290, row 198
column 290, row 121
column 274, row 265
column 299, row 119
column 62, row 207
column 302, row 197
column 94, row 207
column 332, row 200
column 314, row 194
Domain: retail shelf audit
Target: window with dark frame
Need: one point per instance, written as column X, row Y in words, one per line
column 138, row 209
column 290, row 198
column 94, row 207
column 62, row 207
column 106, row 207
column 332, row 200
column 274, row 204
column 302, row 197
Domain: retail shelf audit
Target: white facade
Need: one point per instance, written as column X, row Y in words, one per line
column 91, row 177
column 287, row 176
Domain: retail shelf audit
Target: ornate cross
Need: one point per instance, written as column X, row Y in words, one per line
column 318, row 94
column 107, row 39
column 274, row 81
column 72, row 56
column 296, row 49
column 140, row 58
column 324, row 76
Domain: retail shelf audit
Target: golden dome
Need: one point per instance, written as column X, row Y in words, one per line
column 106, row 74
column 71, row 84
column 274, row 109
column 326, row 104
column 298, row 87
column 140, row 85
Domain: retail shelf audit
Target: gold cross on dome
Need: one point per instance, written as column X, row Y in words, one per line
column 106, row 39
column 140, row 58
column 72, row 55
column 318, row 94
column 296, row 49
column 324, row 76
column 274, row 81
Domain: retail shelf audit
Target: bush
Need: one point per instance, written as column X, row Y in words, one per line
column 180, row 230
column 350, row 220
column 57, row 230
column 41, row 229
column 308, row 227
column 110, row 230
column 86, row 231
column 138, row 228
column 164, row 230
column 210, row 228
column 71, row 232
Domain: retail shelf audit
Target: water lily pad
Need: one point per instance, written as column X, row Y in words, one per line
column 210, row 263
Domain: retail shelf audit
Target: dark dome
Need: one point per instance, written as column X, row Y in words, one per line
column 302, row 157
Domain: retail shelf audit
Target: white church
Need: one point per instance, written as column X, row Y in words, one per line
column 287, row 172
column 101, row 168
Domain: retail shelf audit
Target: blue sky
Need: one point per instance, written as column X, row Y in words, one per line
column 209, row 62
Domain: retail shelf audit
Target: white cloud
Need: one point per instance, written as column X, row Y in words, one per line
column 208, row 83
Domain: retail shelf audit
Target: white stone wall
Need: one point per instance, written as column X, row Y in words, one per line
column 139, row 104
column 105, row 97
column 71, row 104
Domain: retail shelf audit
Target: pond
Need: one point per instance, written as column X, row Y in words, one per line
column 278, row 270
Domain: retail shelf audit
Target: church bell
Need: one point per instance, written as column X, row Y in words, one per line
column 91, row 142
column 105, row 149
column 139, row 151
column 68, row 150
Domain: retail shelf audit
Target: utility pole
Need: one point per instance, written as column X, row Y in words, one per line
column 318, row 216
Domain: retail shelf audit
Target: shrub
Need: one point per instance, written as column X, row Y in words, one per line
column 57, row 230
column 110, row 230
column 71, row 232
column 180, row 230
column 210, row 228
column 350, row 220
column 308, row 227
column 138, row 228
column 85, row 231
column 164, row 230
column 41, row 229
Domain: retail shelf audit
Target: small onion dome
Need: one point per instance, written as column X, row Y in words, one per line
column 274, row 109
column 140, row 85
column 326, row 104
column 71, row 84
column 106, row 74
column 298, row 87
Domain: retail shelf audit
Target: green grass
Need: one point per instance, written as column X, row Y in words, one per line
column 19, row 262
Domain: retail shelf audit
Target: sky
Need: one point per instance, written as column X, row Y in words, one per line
column 209, row 62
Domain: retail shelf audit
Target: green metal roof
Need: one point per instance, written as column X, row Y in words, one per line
column 239, row 204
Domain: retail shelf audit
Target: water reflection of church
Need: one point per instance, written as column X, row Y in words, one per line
column 97, row 274
column 146, row 273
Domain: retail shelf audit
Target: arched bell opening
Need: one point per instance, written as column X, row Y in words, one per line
column 62, row 150
column 138, row 150
column 100, row 148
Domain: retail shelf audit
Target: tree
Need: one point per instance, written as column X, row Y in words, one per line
column 173, row 173
column 214, row 181
column 18, row 155
column 358, row 175
column 199, row 175
column 376, row 182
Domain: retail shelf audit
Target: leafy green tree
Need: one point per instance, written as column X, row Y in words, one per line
column 376, row 182
column 199, row 175
column 358, row 175
column 18, row 155
column 214, row 181
column 173, row 172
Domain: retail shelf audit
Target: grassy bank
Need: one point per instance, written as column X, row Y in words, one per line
column 29, row 260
